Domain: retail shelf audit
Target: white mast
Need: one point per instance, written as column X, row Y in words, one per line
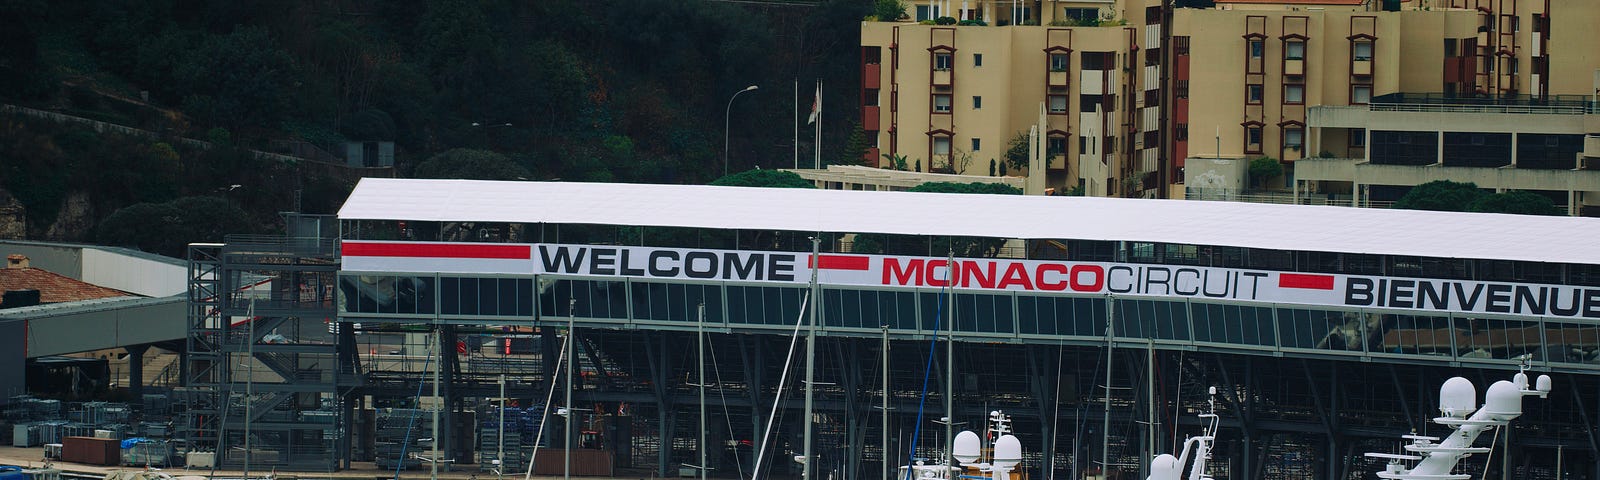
column 811, row 357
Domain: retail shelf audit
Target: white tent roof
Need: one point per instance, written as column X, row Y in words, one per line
column 1279, row 227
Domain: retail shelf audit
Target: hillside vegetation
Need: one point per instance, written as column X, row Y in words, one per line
column 610, row 90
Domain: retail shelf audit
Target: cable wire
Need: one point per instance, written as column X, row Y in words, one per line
column 933, row 348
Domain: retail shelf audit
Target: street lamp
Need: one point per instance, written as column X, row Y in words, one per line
column 725, row 114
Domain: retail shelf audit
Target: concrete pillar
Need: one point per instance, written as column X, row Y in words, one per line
column 136, row 370
column 1514, row 138
column 1438, row 143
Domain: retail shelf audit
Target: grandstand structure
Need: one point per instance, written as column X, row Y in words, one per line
column 1097, row 323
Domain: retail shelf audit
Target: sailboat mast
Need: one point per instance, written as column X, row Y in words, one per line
column 700, row 344
column 811, row 357
column 950, row 356
column 1105, row 421
column 885, row 430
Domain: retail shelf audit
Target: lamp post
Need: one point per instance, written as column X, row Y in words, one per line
column 725, row 123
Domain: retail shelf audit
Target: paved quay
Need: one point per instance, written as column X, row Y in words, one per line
column 34, row 458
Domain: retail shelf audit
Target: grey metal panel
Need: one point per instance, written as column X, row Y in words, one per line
column 13, row 380
column 78, row 331
column 60, row 259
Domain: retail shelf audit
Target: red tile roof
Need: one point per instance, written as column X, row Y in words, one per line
column 53, row 288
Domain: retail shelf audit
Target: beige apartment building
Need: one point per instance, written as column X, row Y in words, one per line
column 1129, row 90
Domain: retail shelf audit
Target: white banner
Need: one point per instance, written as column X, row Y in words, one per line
column 1094, row 278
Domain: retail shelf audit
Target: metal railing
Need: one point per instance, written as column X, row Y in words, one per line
column 1520, row 104
column 1285, row 199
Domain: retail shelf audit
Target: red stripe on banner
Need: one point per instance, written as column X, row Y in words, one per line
column 438, row 250
column 843, row 262
column 1315, row 282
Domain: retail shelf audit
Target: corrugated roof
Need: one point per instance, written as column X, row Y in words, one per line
column 1279, row 227
column 84, row 306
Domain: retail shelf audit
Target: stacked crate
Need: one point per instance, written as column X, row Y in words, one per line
column 489, row 431
column 398, row 437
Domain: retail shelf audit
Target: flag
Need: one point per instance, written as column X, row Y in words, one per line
column 816, row 105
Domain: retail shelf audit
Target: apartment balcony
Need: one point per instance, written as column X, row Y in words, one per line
column 871, row 75
column 1057, row 162
column 1361, row 67
column 869, row 118
column 943, row 78
column 1060, row 79
column 1294, row 67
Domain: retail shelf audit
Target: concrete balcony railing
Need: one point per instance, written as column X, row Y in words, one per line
column 1359, row 171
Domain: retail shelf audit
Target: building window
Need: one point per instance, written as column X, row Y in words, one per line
column 977, row 102
column 1180, row 132
column 1294, row 94
column 1023, row 15
column 941, row 61
column 977, row 59
column 1360, row 94
column 1358, row 137
column 1363, row 52
column 1081, row 15
column 1294, row 138
column 941, row 103
column 870, row 97
column 1252, row 94
column 1058, row 62
column 1098, row 60
column 1057, row 146
column 1294, row 50
column 927, row 12
column 1258, row 48
column 1058, row 104
column 1180, row 89
column 976, row 144
column 941, row 145
column 1252, row 139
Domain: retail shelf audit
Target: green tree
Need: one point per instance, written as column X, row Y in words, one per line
column 1515, row 201
column 986, row 188
column 764, row 178
column 1441, row 195
column 236, row 79
column 855, row 148
column 471, row 165
column 166, row 228
column 896, row 162
column 1263, row 170
column 1017, row 152
column 889, row 10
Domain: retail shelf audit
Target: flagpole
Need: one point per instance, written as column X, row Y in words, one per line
column 797, row 123
column 817, row 163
